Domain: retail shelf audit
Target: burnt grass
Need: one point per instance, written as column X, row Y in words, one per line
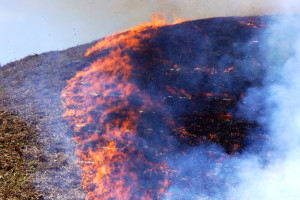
column 36, row 158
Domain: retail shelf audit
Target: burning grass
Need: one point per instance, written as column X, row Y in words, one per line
column 146, row 101
column 134, row 94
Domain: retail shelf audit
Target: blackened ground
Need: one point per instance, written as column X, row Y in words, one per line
column 188, row 70
column 200, row 71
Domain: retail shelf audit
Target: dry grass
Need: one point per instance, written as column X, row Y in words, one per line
column 36, row 158
column 14, row 169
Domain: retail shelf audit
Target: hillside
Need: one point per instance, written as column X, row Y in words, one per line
column 37, row 160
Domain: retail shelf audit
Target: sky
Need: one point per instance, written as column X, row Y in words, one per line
column 35, row 26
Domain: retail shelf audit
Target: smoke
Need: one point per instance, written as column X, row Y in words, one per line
column 99, row 18
column 33, row 26
column 272, row 172
column 279, row 178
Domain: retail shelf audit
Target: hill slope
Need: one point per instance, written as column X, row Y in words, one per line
column 36, row 153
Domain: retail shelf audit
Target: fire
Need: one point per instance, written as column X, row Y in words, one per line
column 177, row 92
column 229, row 69
column 252, row 23
column 104, row 122
column 106, row 104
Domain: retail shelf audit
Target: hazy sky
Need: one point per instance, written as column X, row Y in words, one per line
column 36, row 26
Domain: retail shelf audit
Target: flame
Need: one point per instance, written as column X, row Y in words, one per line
column 104, row 122
column 229, row 69
column 177, row 92
column 177, row 19
column 252, row 24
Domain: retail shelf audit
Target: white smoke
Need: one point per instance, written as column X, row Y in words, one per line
column 274, row 173
column 280, row 178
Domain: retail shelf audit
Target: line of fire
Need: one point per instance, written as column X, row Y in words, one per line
column 155, row 92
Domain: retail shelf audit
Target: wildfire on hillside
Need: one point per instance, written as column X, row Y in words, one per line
column 154, row 92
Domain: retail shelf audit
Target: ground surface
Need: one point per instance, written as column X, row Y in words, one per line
column 36, row 158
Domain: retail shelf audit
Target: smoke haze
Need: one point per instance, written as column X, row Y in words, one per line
column 272, row 173
column 279, row 179
column 33, row 26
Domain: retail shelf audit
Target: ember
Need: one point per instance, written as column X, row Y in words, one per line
column 156, row 91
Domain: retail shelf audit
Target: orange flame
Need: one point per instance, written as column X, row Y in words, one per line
column 104, row 122
column 229, row 69
column 252, row 24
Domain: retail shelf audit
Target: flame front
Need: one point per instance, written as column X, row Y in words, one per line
column 129, row 109
column 104, row 123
